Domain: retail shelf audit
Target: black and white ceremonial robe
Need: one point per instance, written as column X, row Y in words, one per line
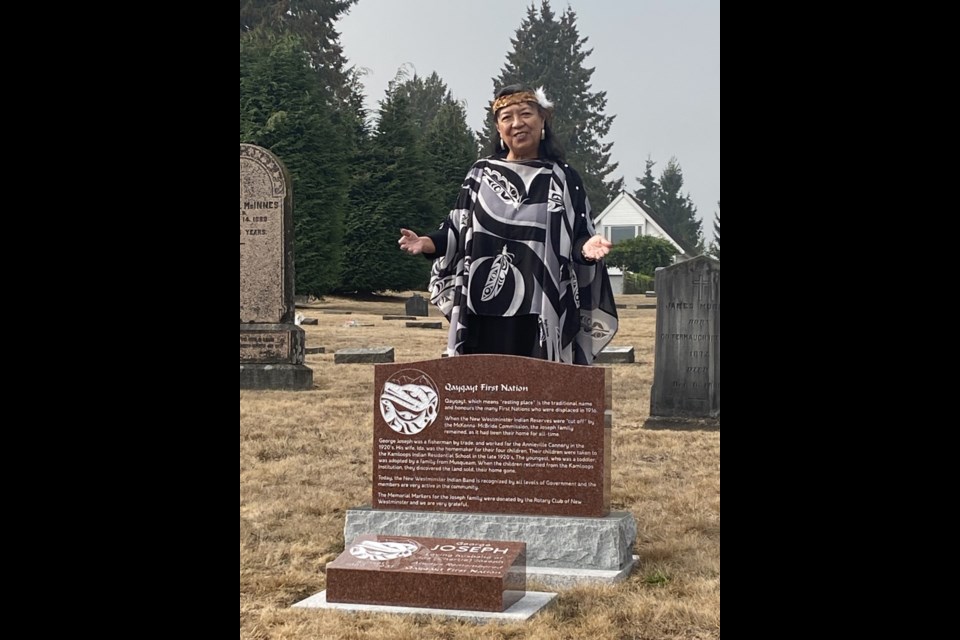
column 511, row 246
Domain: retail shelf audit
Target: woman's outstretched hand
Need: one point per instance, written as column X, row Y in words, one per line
column 596, row 247
column 412, row 243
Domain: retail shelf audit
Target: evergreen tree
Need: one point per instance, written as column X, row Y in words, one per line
column 677, row 209
column 451, row 149
column 424, row 95
column 284, row 108
column 398, row 192
column 715, row 248
column 649, row 191
column 313, row 22
column 674, row 209
column 549, row 52
column 447, row 140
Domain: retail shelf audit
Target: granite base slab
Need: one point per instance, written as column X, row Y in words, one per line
column 554, row 578
column 521, row 610
column 553, row 542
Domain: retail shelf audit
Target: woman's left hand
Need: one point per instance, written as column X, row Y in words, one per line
column 596, row 247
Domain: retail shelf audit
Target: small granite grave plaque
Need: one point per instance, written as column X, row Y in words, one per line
column 686, row 376
column 611, row 355
column 363, row 356
column 494, row 434
column 437, row 573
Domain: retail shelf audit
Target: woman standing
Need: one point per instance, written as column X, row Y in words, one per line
column 517, row 266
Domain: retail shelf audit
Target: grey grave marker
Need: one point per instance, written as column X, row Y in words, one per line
column 271, row 344
column 417, row 306
column 425, row 324
column 614, row 355
column 372, row 355
column 686, row 381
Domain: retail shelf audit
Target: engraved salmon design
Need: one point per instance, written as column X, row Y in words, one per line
column 379, row 551
column 408, row 408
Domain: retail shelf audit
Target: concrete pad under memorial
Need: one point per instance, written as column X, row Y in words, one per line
column 438, row 573
column 686, row 381
column 271, row 344
column 530, row 604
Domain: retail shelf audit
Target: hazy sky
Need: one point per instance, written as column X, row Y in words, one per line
column 658, row 61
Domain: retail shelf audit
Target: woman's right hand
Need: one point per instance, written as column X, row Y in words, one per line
column 412, row 243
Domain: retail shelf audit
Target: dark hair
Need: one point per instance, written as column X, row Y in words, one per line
column 549, row 148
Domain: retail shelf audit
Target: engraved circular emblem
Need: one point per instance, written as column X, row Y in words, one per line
column 408, row 401
column 380, row 551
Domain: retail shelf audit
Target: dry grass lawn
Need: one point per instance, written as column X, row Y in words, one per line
column 305, row 458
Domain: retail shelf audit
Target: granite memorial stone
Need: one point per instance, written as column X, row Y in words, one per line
column 491, row 434
column 437, row 573
column 500, row 448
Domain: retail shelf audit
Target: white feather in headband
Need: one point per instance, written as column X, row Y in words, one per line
column 542, row 98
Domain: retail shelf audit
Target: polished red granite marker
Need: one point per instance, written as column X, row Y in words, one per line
column 491, row 434
column 436, row 573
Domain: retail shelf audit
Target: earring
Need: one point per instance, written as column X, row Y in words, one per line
column 543, row 133
column 503, row 147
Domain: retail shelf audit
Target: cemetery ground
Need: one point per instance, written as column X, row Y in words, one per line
column 306, row 457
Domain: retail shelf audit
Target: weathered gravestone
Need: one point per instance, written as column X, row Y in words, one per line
column 271, row 344
column 502, row 448
column 686, row 380
column 416, row 305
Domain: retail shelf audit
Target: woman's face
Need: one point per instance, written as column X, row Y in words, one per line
column 519, row 126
